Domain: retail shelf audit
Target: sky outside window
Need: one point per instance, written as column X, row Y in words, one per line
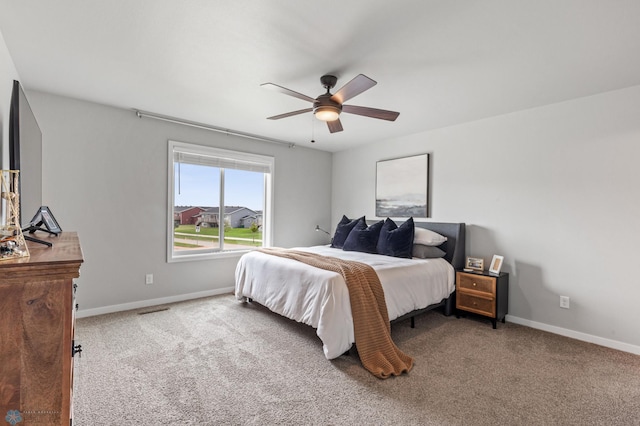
column 199, row 186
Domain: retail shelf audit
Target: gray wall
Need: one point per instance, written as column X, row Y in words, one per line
column 105, row 176
column 553, row 190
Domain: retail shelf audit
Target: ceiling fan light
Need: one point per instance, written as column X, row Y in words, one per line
column 327, row 113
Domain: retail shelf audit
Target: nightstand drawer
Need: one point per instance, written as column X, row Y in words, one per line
column 479, row 305
column 477, row 283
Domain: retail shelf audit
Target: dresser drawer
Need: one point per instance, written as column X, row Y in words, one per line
column 477, row 283
column 477, row 304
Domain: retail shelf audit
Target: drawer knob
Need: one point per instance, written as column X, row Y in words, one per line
column 474, row 284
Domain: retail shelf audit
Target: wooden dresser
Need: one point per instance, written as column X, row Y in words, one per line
column 37, row 316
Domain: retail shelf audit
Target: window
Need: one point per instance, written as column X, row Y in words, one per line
column 219, row 201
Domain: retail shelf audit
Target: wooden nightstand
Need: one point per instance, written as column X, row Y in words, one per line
column 483, row 293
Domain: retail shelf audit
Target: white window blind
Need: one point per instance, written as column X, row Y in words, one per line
column 226, row 160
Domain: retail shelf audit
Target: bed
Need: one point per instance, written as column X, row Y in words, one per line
column 319, row 298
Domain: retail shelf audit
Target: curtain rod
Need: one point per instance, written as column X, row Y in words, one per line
column 175, row 120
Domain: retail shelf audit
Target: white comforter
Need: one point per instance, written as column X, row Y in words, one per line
column 320, row 298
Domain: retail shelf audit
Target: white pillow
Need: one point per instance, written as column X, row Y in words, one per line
column 427, row 237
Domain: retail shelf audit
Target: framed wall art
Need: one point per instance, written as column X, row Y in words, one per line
column 402, row 187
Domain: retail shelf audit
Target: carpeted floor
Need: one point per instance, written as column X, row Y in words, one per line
column 216, row 361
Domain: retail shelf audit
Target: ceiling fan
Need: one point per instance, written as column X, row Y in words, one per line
column 327, row 107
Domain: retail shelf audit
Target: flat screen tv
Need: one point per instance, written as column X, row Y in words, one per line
column 25, row 152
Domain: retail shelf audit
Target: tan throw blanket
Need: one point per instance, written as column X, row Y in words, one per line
column 372, row 330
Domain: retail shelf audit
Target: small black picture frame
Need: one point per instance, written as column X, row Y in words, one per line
column 44, row 217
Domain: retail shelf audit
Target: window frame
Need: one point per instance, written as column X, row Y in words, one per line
column 267, row 208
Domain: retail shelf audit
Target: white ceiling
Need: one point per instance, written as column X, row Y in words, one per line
column 438, row 63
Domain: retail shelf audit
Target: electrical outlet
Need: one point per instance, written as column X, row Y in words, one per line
column 148, row 279
column 565, row 302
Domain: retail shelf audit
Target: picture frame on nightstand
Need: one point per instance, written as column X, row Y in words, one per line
column 496, row 264
column 474, row 264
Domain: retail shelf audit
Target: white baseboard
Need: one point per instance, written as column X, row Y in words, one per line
column 83, row 313
column 613, row 344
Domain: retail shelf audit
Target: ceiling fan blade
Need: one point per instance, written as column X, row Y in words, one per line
column 382, row 114
column 334, row 126
column 287, row 92
column 359, row 84
column 290, row 114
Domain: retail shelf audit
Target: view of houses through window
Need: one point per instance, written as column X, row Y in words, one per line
column 198, row 227
column 205, row 179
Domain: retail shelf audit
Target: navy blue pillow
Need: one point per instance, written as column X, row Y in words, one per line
column 342, row 231
column 396, row 241
column 363, row 238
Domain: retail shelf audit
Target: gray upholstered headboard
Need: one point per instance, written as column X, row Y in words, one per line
column 455, row 244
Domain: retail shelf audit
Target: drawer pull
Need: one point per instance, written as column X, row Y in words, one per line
column 75, row 349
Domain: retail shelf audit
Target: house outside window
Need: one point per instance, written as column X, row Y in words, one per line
column 220, row 202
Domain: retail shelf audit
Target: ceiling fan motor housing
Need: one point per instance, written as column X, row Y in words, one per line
column 325, row 108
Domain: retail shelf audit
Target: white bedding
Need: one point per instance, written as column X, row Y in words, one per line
column 320, row 298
